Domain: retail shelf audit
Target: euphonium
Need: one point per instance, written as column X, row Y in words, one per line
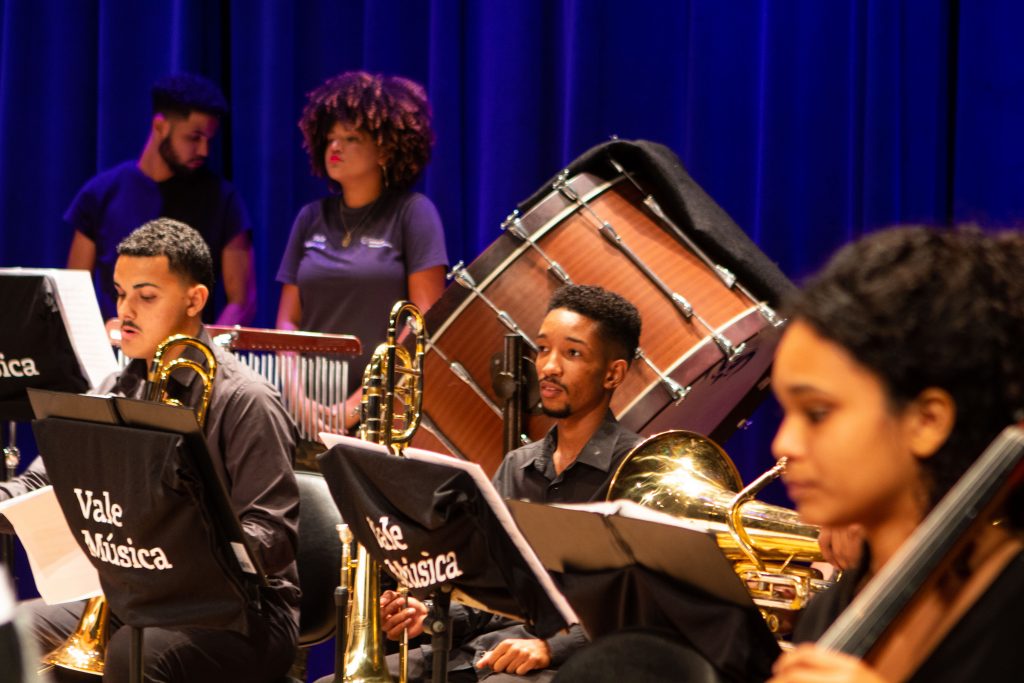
column 393, row 374
column 86, row 648
column 689, row 476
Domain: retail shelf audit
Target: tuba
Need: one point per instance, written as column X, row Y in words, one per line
column 393, row 374
column 86, row 648
column 689, row 476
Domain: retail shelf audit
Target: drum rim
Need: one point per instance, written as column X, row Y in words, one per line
column 521, row 248
column 749, row 319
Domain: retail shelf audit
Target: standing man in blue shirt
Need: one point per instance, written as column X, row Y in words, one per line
column 169, row 180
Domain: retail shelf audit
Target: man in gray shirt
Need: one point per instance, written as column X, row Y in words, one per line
column 162, row 278
column 585, row 345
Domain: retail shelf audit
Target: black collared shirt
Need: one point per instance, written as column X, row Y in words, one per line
column 528, row 473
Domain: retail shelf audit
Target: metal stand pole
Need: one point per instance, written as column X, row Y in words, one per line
column 439, row 623
column 12, row 457
column 135, row 656
column 510, row 388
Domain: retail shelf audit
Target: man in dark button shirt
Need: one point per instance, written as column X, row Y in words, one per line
column 585, row 345
column 162, row 279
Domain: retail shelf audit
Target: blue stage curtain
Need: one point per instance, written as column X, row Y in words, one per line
column 809, row 122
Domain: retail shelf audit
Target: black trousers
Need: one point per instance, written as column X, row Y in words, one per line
column 192, row 655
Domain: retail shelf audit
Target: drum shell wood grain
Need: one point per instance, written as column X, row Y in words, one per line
column 517, row 280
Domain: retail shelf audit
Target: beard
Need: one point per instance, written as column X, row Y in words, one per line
column 172, row 160
column 557, row 413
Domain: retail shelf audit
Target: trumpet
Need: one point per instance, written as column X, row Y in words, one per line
column 86, row 648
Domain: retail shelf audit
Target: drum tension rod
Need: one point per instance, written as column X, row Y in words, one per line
column 724, row 274
column 677, row 391
column 513, row 225
column 606, row 230
column 460, row 371
column 462, row 276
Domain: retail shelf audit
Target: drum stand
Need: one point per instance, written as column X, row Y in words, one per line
column 509, row 385
column 12, row 457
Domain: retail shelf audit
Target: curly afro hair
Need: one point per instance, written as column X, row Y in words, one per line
column 921, row 308
column 393, row 111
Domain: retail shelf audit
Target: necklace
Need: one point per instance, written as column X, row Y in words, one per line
column 347, row 239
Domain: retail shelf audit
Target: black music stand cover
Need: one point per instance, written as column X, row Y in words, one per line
column 661, row 173
column 441, row 513
column 622, row 573
column 151, row 515
column 31, row 328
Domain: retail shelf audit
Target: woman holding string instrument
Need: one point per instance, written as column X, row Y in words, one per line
column 372, row 241
column 899, row 366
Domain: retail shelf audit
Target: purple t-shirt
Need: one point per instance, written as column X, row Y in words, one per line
column 350, row 290
column 115, row 202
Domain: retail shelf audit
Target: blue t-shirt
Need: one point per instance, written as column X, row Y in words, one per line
column 115, row 202
column 351, row 289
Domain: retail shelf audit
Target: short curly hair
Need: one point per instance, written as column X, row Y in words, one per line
column 924, row 307
column 617, row 319
column 392, row 110
column 181, row 94
column 187, row 253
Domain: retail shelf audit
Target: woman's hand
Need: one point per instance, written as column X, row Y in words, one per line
column 810, row 664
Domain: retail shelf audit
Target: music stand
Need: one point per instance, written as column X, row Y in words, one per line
column 650, row 571
column 52, row 337
column 145, row 503
column 436, row 523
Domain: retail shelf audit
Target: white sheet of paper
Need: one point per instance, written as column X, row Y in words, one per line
column 634, row 510
column 61, row 570
column 7, row 601
column 82, row 319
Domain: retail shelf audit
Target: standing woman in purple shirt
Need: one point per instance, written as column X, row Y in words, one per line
column 372, row 241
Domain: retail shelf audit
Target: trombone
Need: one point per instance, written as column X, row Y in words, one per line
column 85, row 649
column 393, row 373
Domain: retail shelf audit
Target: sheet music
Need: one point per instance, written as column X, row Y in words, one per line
column 7, row 599
column 61, row 570
column 634, row 510
column 80, row 310
column 494, row 500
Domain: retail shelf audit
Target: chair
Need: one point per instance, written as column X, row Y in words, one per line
column 319, row 562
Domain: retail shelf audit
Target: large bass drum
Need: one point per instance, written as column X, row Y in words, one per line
column 624, row 216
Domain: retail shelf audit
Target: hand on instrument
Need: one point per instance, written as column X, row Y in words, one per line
column 810, row 664
column 397, row 615
column 517, row 656
column 842, row 546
